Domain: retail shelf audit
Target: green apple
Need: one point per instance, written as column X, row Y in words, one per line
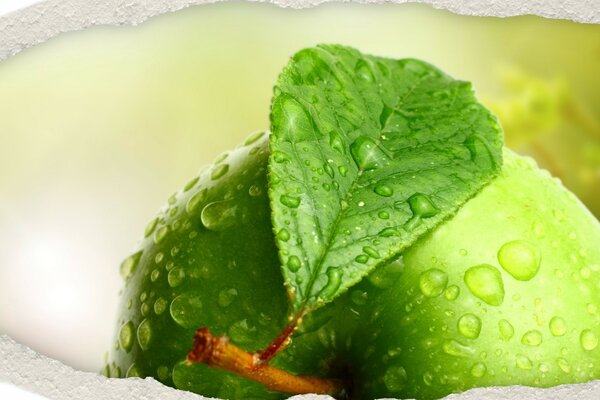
column 504, row 293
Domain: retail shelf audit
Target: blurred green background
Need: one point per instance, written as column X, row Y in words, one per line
column 99, row 127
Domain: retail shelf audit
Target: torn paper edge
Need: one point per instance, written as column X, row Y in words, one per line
column 41, row 21
column 22, row 367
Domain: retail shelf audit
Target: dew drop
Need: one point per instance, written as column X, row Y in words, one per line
column 362, row 259
column 521, row 259
column 563, row 364
column 485, row 282
column 367, row 154
column 452, row 292
column 145, row 309
column 159, row 257
column 328, row 170
column 343, row 170
column 433, row 282
column 253, row 138
column 160, row 305
column 290, row 201
column 175, row 277
column 363, row 71
column 336, row 142
column 196, row 199
column 558, row 326
column 294, row 264
column 130, row 264
column 254, row 191
column 395, row 378
column 186, row 310
column 523, row 362
column 188, row 186
column 457, row 349
column 219, row 171
column 532, row 338
column 478, row 370
column 506, row 329
column 283, row 235
column 160, row 234
column 144, row 334
column 334, row 280
column 154, row 275
column 126, row 336
column 469, row 325
column 133, row 372
column 219, row 215
column 384, row 190
column 371, row 252
column 163, row 373
column 150, row 227
column 227, row 297
column 588, row 340
column 422, row 206
column 280, row 157
column 384, row 215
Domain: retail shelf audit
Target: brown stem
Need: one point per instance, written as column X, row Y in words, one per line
column 218, row 352
column 278, row 344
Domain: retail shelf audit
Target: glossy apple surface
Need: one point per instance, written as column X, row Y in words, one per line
column 504, row 293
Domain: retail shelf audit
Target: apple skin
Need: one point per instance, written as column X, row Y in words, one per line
column 431, row 323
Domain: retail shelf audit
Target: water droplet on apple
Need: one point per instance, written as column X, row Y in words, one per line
column 188, row 186
column 227, row 297
column 154, row 275
column 457, row 349
column 130, row 264
column 558, row 326
column 242, row 332
column 469, row 325
column 219, row 215
column 185, row 310
column 253, row 138
column 367, row 154
column 428, row 378
column 219, row 171
column 163, row 373
column 452, row 292
column 196, row 199
column 160, row 234
column 532, row 338
column 433, row 282
column 126, row 336
column 564, row 365
column 145, row 309
column 144, row 334
column 384, row 190
column 588, row 340
column 160, row 305
column 478, row 370
column 485, row 282
column 523, row 362
column 290, row 201
column 175, row 277
column 506, row 329
column 133, row 372
column 294, row 264
column 521, row 259
column 150, row 227
column 422, row 206
column 395, row 378
column 254, row 191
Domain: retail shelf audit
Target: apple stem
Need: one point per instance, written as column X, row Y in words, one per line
column 218, row 352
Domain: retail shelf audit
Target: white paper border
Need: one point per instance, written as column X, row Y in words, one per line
column 39, row 22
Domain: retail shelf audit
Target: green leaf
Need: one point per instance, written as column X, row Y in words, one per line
column 367, row 155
